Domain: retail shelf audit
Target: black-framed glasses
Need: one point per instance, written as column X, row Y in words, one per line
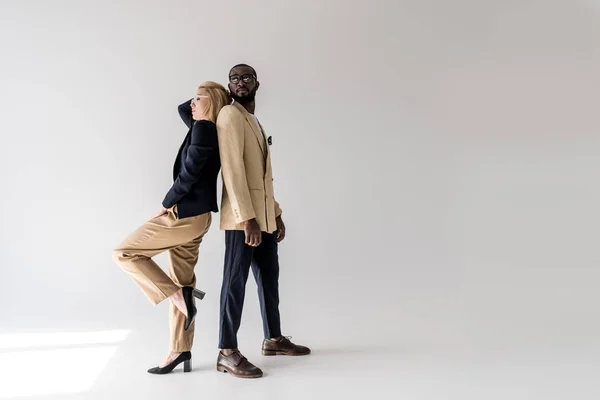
column 246, row 78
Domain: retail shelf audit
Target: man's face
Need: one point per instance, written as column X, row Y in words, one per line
column 243, row 84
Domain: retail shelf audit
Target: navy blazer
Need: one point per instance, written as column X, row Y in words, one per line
column 196, row 168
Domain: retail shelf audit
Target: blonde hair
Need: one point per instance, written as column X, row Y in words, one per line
column 219, row 98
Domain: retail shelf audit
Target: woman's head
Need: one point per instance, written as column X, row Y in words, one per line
column 209, row 99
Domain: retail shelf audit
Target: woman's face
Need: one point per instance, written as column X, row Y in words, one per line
column 200, row 104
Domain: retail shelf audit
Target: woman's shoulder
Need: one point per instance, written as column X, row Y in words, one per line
column 204, row 128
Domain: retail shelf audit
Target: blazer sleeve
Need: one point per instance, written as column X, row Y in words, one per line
column 230, row 131
column 185, row 112
column 203, row 145
column 278, row 210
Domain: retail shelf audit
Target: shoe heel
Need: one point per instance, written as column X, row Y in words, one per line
column 269, row 353
column 199, row 294
column 187, row 366
column 221, row 369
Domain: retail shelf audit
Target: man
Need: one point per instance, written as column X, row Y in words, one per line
column 253, row 227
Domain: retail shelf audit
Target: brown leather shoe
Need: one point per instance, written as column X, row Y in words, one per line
column 237, row 365
column 283, row 347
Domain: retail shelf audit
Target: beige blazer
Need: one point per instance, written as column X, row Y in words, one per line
column 246, row 170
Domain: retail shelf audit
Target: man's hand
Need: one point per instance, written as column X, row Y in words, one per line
column 280, row 229
column 253, row 233
column 162, row 212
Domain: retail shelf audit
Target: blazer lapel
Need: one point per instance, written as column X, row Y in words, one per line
column 264, row 141
column 252, row 123
column 267, row 153
column 179, row 159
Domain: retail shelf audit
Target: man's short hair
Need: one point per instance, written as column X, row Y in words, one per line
column 244, row 65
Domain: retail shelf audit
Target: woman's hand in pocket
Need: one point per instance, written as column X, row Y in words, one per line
column 162, row 212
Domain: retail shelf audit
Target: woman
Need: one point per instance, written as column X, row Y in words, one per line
column 179, row 226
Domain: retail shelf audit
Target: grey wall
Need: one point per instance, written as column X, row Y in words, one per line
column 436, row 161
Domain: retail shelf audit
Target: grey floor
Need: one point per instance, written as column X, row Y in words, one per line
column 425, row 359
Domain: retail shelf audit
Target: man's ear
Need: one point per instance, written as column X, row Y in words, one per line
column 257, row 85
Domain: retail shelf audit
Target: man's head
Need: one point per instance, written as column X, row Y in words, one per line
column 243, row 83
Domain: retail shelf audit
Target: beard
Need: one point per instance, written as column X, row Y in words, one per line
column 245, row 99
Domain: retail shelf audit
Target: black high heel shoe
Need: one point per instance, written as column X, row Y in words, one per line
column 185, row 358
column 188, row 296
